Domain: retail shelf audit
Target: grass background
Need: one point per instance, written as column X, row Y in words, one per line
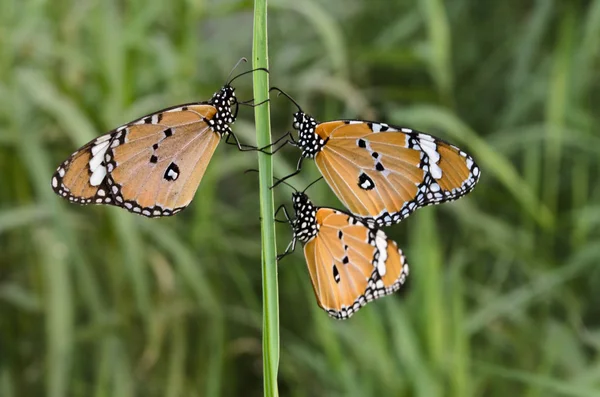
column 503, row 297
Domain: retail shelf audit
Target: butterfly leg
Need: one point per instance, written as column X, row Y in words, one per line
column 290, row 249
column 290, row 140
column 292, row 245
column 298, row 168
column 253, row 105
column 285, row 213
column 240, row 146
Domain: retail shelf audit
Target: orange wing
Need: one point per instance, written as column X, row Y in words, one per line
column 82, row 177
column 383, row 173
column 351, row 264
column 151, row 166
column 155, row 165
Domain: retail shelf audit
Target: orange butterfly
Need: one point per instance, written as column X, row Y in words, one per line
column 380, row 172
column 152, row 166
column 350, row 263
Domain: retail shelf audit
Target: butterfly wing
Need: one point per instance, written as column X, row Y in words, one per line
column 351, row 264
column 383, row 173
column 155, row 165
column 151, row 166
column 82, row 177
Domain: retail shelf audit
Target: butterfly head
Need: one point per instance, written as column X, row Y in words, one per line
column 223, row 100
column 305, row 224
column 308, row 140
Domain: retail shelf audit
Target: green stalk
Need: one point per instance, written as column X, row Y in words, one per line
column 265, row 168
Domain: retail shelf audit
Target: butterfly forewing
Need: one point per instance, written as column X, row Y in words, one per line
column 156, row 165
column 351, row 264
column 383, row 173
column 82, row 177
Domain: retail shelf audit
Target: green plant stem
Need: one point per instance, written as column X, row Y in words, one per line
column 265, row 168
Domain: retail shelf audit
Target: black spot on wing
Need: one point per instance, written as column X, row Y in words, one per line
column 172, row 172
column 365, row 182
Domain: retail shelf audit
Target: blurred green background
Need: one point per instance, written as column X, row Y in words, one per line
column 503, row 297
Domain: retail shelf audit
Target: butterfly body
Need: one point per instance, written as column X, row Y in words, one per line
column 153, row 165
column 349, row 262
column 383, row 173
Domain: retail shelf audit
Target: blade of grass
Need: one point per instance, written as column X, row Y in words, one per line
column 265, row 168
column 550, row 385
column 557, row 106
column 428, row 255
column 439, row 44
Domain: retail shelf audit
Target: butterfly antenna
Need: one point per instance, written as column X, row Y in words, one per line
column 312, row 183
column 281, row 92
column 249, row 71
column 285, row 183
column 242, row 59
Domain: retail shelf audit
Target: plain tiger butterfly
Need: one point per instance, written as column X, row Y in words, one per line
column 350, row 262
column 152, row 166
column 381, row 172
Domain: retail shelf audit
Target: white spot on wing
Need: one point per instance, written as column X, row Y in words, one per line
column 103, row 138
column 430, row 150
column 98, row 176
column 54, row 182
column 381, row 244
column 377, row 127
column 96, row 161
column 101, row 147
column 173, row 174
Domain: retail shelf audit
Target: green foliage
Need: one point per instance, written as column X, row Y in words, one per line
column 502, row 298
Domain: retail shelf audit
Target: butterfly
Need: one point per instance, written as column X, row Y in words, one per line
column 381, row 172
column 152, row 166
column 350, row 262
